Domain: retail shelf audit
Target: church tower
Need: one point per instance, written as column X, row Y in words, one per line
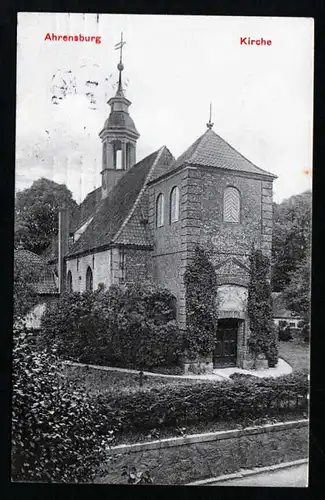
column 119, row 136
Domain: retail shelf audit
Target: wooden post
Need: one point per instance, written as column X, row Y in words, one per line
column 63, row 245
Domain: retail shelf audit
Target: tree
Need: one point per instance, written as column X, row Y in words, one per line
column 25, row 296
column 201, row 287
column 262, row 338
column 297, row 292
column 291, row 237
column 36, row 213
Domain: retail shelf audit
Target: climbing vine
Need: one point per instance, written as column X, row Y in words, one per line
column 262, row 338
column 201, row 286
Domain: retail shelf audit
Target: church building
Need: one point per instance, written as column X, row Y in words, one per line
column 147, row 217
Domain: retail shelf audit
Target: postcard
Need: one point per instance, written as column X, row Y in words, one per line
column 162, row 258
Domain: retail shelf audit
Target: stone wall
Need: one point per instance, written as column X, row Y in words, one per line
column 178, row 461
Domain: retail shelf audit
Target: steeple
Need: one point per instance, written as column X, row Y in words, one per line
column 210, row 124
column 119, row 134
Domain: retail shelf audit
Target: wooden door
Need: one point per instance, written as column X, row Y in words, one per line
column 225, row 353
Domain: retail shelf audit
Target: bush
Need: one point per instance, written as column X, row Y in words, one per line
column 179, row 405
column 57, row 431
column 285, row 335
column 131, row 327
column 201, row 286
column 263, row 338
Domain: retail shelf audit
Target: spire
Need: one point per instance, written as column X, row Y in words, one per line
column 120, row 65
column 210, row 124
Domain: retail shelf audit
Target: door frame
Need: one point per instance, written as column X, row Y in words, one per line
column 227, row 361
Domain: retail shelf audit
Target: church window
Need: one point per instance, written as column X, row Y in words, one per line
column 69, row 282
column 160, row 210
column 118, row 159
column 117, row 155
column 231, row 205
column 174, row 204
column 89, row 280
column 122, row 264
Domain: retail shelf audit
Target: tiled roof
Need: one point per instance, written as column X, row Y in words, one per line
column 115, row 211
column 46, row 282
column 279, row 307
column 85, row 209
column 213, row 151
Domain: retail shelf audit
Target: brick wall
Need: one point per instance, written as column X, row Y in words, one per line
column 225, row 238
column 138, row 265
column 167, row 252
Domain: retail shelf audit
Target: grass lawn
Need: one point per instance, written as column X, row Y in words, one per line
column 97, row 382
column 295, row 353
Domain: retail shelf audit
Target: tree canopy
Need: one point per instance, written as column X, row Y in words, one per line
column 291, row 238
column 36, row 213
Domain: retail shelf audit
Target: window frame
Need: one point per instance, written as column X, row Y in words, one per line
column 227, row 188
column 160, row 222
column 175, row 189
column 90, row 273
column 69, row 282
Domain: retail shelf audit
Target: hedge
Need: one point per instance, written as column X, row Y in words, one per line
column 179, row 405
column 131, row 327
column 59, row 433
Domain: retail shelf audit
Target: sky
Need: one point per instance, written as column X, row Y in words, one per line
column 174, row 66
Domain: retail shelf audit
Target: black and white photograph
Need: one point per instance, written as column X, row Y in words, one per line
column 162, row 250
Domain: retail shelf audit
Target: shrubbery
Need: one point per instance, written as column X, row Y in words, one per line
column 131, row 327
column 201, row 288
column 178, row 405
column 263, row 337
column 57, row 430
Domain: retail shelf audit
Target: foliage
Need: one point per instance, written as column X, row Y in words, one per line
column 36, row 213
column 285, row 334
column 291, row 237
column 262, row 339
column 136, row 476
column 182, row 405
column 297, row 293
column 132, row 327
column 200, row 283
column 57, row 430
column 25, row 296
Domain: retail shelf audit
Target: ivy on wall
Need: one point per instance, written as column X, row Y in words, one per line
column 262, row 338
column 201, row 288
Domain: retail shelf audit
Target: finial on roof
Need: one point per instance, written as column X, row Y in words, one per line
column 210, row 124
column 120, row 65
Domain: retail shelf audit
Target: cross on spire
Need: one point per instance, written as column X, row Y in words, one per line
column 120, row 65
column 210, row 124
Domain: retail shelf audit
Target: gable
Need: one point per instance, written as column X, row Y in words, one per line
column 232, row 271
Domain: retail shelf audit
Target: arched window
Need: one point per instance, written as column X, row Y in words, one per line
column 160, row 210
column 174, row 205
column 69, row 282
column 89, row 280
column 231, row 205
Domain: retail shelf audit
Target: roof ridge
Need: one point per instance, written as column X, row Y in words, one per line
column 247, row 159
column 197, row 143
column 135, row 204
